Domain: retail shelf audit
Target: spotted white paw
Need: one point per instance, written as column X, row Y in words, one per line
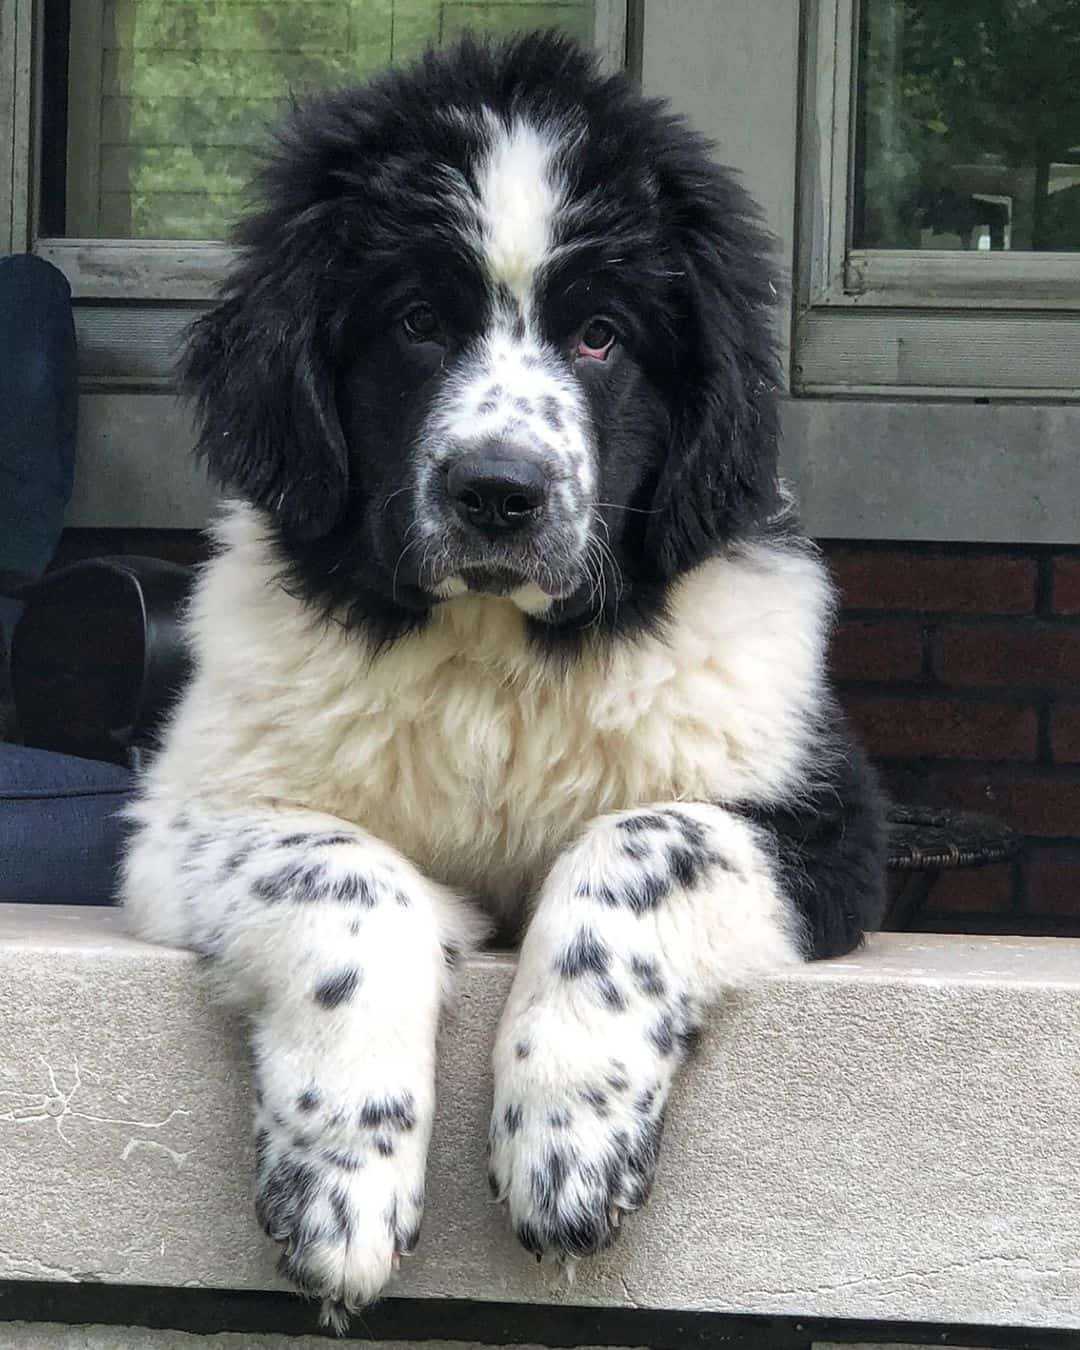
column 341, row 1187
column 578, row 1117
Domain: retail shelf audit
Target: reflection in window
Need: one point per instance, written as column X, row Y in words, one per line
column 167, row 99
column 968, row 125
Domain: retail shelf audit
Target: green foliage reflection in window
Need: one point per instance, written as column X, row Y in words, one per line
column 968, row 125
column 189, row 87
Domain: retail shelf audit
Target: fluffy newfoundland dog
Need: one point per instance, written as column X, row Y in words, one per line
column 510, row 625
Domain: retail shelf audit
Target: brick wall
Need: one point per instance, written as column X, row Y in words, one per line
column 960, row 665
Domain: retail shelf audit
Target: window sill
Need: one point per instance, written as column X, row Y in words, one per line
column 891, row 1135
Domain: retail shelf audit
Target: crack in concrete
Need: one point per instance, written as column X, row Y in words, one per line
column 56, row 1105
column 629, row 1292
column 29, row 1267
column 153, row 1145
column 902, row 1275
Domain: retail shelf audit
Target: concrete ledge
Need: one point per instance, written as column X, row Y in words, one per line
column 38, row 1336
column 891, row 1136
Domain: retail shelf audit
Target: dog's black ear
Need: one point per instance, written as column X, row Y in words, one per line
column 720, row 475
column 264, row 399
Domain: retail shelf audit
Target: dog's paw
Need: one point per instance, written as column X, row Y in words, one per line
column 575, row 1136
column 342, row 1189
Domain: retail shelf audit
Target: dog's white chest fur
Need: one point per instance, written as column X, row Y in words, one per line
column 466, row 750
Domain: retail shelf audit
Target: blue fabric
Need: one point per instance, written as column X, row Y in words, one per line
column 60, row 832
column 38, row 410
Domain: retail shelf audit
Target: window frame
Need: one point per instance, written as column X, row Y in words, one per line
column 18, row 160
column 189, row 271
column 940, row 323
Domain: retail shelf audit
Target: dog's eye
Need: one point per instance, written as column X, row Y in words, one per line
column 421, row 324
column 597, row 340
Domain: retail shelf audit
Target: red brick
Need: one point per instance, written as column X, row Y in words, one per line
column 987, row 583
column 1047, row 655
column 1065, row 734
column 944, row 729
column 1043, row 806
column 888, row 650
column 1067, row 584
column 1053, row 887
column 972, row 890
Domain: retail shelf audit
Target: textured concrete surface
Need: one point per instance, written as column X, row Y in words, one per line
column 52, row 1336
column 894, row 1135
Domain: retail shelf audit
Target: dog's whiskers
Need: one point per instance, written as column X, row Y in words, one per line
column 635, row 510
column 398, row 493
column 406, row 546
column 606, row 559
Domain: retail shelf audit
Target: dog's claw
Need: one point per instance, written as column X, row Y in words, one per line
column 335, row 1315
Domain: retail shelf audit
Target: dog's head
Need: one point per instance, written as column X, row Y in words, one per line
column 501, row 325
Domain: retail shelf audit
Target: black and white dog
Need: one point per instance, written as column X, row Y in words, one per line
column 510, row 623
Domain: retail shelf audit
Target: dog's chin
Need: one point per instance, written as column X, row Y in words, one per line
column 499, row 582
column 483, row 580
column 532, row 590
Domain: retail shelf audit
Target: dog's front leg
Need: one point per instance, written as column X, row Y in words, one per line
column 339, row 951
column 638, row 927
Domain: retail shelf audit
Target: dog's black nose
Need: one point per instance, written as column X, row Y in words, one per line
column 497, row 494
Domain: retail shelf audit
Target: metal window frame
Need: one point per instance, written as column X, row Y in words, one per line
column 113, row 270
column 926, row 323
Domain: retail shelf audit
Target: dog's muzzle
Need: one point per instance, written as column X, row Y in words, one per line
column 496, row 492
column 506, row 475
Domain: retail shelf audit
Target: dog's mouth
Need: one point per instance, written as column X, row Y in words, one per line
column 493, row 580
column 534, row 589
column 463, row 568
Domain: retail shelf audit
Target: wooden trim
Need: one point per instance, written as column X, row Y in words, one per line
column 609, row 32
column 954, row 279
column 85, row 57
column 131, row 346
column 8, row 51
column 17, row 80
column 963, row 354
column 825, row 146
column 139, row 269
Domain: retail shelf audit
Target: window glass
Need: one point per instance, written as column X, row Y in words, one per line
column 968, row 125
column 168, row 98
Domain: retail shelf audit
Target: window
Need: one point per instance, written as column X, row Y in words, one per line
column 149, row 162
column 967, row 128
column 940, row 239
column 168, row 98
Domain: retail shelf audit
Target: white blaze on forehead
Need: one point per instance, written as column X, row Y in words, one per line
column 520, row 194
